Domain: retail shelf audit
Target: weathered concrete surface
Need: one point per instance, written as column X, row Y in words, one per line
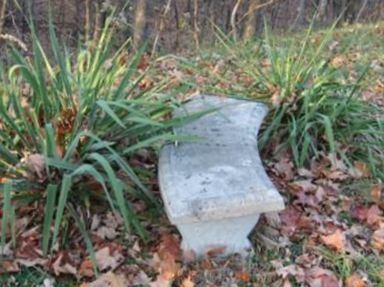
column 214, row 189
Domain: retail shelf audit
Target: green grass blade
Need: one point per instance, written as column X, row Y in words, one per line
column 61, row 205
column 87, row 239
column 49, row 209
column 7, row 209
column 105, row 107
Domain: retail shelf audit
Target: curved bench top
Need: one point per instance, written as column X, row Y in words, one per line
column 221, row 175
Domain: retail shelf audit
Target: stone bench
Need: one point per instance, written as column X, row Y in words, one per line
column 214, row 189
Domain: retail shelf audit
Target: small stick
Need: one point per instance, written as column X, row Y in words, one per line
column 2, row 15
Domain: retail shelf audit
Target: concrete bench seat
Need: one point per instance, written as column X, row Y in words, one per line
column 214, row 189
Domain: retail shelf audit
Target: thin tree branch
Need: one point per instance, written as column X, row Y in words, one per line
column 2, row 15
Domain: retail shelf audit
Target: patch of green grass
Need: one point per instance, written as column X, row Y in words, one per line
column 346, row 217
column 373, row 265
column 340, row 263
column 344, row 265
column 260, row 265
column 33, row 277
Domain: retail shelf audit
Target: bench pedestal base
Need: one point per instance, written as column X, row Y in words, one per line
column 228, row 235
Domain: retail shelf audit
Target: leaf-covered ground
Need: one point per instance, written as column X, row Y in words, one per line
column 330, row 234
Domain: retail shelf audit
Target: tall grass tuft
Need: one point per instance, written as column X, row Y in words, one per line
column 314, row 112
column 69, row 123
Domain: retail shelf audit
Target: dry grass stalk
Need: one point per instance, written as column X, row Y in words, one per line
column 13, row 39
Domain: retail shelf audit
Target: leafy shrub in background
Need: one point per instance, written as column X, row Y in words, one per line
column 68, row 126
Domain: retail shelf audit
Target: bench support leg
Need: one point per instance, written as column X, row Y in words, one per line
column 229, row 233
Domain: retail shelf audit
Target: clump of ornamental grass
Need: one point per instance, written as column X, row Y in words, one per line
column 69, row 125
column 314, row 112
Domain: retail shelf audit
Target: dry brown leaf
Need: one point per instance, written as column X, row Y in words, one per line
column 306, row 199
column 187, row 282
column 377, row 240
column 285, row 168
column 333, row 45
column 287, row 283
column 146, row 83
column 169, row 247
column 107, row 259
column 160, row 282
column 276, row 98
column 319, row 277
column 292, row 270
column 338, row 61
column 360, row 212
column 32, row 262
column 354, row 281
column 36, row 164
column 219, row 67
column 86, row 268
column 376, row 193
column 337, row 175
column 60, row 267
column 215, row 250
column 9, row 267
column 374, row 215
column 168, row 269
column 243, row 276
column 335, row 240
column 166, row 262
column 108, row 280
column 361, row 170
column 105, row 232
column 303, row 185
column 289, row 218
column 141, row 279
column 266, row 62
column 336, row 163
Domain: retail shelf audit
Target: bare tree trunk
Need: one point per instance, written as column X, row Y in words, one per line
column 227, row 12
column 196, row 23
column 139, row 24
column 87, row 20
column 331, row 9
column 233, row 19
column 250, row 25
column 212, row 19
column 300, row 15
column 275, row 13
column 98, row 22
column 2, row 15
column 344, row 9
column 323, row 9
column 361, row 11
column 177, row 25
column 161, row 26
